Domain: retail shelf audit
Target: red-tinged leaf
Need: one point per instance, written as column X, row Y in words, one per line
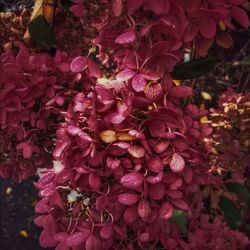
column 107, row 231
column 128, row 199
column 155, row 164
column 136, row 151
column 132, row 180
column 75, row 239
column 130, row 215
column 166, row 211
column 181, row 91
column 177, row 163
column 79, row 64
column 93, row 69
column 240, row 16
column 117, row 7
column 139, row 83
column 125, row 75
column 180, row 203
column 153, row 91
column 144, row 209
column 127, row 37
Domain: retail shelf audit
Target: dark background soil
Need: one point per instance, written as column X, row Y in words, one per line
column 17, row 214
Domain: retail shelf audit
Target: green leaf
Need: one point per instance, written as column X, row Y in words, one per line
column 194, row 69
column 180, row 219
column 66, row 4
column 231, row 212
column 245, row 61
column 41, row 32
column 238, row 189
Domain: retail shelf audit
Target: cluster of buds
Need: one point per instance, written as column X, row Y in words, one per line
column 230, row 143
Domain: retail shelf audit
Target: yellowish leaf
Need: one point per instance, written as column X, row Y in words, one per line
column 108, row 136
column 206, row 96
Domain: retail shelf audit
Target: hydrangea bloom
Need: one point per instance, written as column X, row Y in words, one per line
column 129, row 158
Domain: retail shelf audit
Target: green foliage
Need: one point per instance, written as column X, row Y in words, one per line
column 231, row 212
column 41, row 32
column 246, row 60
column 180, row 219
column 239, row 189
column 194, row 69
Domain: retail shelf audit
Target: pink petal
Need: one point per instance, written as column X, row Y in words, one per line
column 93, row 69
column 166, row 211
column 207, row 27
column 132, row 180
column 181, row 91
column 134, row 5
column 127, row 37
column 130, row 215
column 240, row 16
column 117, row 7
column 107, row 231
column 180, row 203
column 177, row 163
column 76, row 239
column 153, row 91
column 157, row 191
column 125, row 75
column 157, row 128
column 144, row 209
column 78, row 64
column 27, row 149
column 94, row 181
column 155, row 164
column 139, row 83
column 128, row 199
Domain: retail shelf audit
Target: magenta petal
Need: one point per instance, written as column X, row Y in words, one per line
column 144, row 209
column 127, row 37
column 94, row 181
column 75, row 239
column 177, row 163
column 107, row 231
column 166, row 211
column 27, row 149
column 155, row 164
column 115, row 118
column 208, row 27
column 117, row 7
column 180, row 203
column 132, row 180
column 134, row 5
column 78, row 64
column 157, row 191
column 153, row 91
column 181, row 91
column 138, row 83
column 93, row 69
column 157, row 128
column 128, row 199
column 240, row 16
column 125, row 75
column 130, row 215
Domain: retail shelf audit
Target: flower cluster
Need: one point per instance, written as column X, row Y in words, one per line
column 128, row 157
column 230, row 141
column 31, row 87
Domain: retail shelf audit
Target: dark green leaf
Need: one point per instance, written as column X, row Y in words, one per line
column 231, row 212
column 194, row 69
column 41, row 32
column 238, row 188
column 180, row 219
column 66, row 4
column 245, row 61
